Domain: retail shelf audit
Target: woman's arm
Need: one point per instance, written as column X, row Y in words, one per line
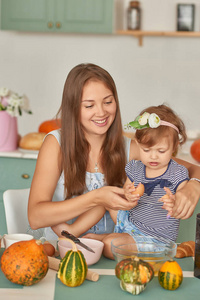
column 42, row 212
column 83, row 223
column 188, row 196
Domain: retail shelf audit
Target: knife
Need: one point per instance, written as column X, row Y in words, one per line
column 76, row 240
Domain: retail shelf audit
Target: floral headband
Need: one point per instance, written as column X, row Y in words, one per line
column 147, row 120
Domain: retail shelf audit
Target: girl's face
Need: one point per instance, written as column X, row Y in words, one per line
column 157, row 157
column 98, row 108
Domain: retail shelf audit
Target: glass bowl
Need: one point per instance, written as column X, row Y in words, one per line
column 145, row 249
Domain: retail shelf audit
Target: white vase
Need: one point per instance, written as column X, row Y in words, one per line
column 8, row 132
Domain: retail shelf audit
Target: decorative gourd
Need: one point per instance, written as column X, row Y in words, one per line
column 120, row 266
column 25, row 262
column 170, row 275
column 134, row 274
column 73, row 267
column 49, row 125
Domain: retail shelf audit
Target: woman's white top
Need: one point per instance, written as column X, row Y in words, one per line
column 93, row 181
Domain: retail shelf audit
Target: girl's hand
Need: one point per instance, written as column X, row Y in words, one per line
column 168, row 201
column 130, row 196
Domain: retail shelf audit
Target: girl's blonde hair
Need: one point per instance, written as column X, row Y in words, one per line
column 151, row 136
column 74, row 146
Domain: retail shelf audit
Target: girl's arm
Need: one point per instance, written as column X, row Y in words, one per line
column 42, row 212
column 128, row 189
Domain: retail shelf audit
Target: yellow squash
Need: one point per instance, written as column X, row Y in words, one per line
column 170, row 275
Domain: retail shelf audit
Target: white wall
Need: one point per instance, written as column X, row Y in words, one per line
column 163, row 70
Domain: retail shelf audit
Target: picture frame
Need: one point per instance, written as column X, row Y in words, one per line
column 185, row 17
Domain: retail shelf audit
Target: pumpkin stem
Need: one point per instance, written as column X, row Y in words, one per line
column 74, row 247
column 170, row 258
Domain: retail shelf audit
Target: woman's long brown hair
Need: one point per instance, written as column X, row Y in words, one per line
column 74, row 146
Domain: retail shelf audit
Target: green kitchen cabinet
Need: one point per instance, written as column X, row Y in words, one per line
column 75, row 16
column 15, row 173
column 187, row 229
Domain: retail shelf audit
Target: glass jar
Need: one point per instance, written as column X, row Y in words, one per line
column 134, row 15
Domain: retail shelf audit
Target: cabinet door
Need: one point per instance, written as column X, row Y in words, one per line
column 15, row 173
column 27, row 15
column 84, row 16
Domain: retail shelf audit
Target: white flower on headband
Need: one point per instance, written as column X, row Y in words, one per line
column 143, row 119
column 146, row 120
column 154, row 121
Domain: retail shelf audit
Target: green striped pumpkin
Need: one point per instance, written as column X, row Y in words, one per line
column 73, row 267
column 170, row 275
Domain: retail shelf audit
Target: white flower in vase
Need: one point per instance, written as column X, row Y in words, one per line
column 12, row 103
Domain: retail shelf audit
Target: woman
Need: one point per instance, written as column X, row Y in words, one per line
column 84, row 163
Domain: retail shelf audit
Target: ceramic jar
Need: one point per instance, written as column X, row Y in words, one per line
column 8, row 132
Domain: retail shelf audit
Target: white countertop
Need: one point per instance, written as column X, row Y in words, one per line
column 31, row 154
column 20, row 153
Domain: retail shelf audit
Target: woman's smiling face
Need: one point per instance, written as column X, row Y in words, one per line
column 98, row 108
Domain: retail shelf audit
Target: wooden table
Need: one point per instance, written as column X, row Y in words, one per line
column 107, row 287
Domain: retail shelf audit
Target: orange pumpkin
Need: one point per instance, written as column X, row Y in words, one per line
column 49, row 125
column 25, row 262
column 195, row 150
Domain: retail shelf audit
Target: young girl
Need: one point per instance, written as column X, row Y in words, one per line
column 159, row 133
column 82, row 166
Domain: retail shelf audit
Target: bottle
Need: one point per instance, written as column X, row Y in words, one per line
column 197, row 249
column 134, row 15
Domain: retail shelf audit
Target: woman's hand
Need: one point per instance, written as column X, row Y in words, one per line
column 186, row 200
column 113, row 198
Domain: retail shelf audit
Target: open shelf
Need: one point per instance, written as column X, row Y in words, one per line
column 140, row 34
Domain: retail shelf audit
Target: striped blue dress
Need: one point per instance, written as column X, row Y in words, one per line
column 148, row 217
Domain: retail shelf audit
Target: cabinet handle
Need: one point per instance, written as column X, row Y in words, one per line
column 58, row 24
column 25, row 176
column 50, row 24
